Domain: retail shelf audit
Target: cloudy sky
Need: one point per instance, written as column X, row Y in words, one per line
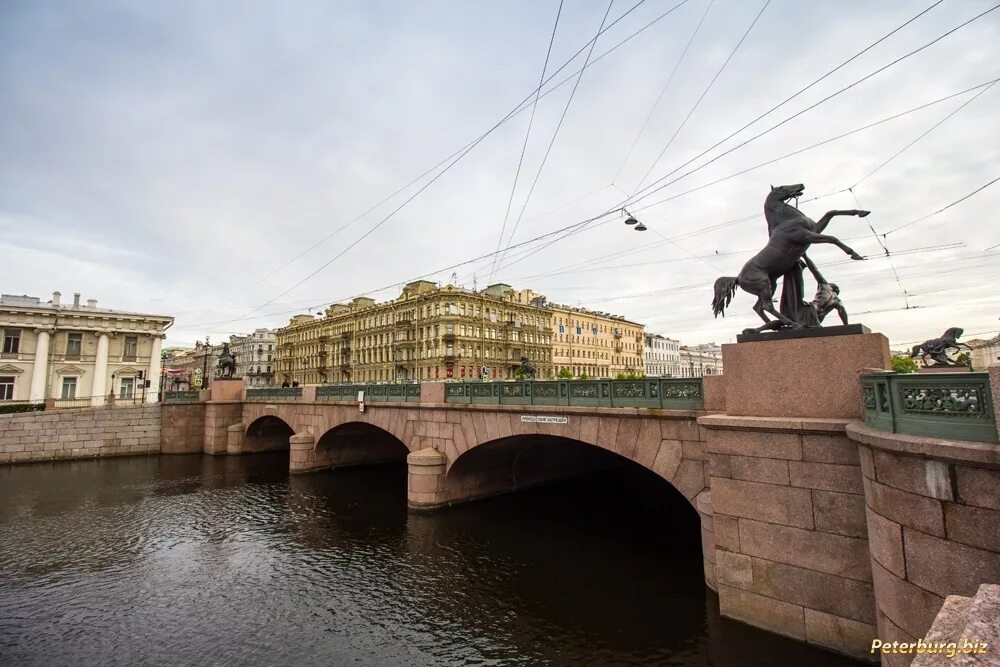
column 210, row 160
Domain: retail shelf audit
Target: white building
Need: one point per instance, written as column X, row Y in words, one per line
column 984, row 353
column 77, row 352
column 663, row 357
column 255, row 357
column 699, row 360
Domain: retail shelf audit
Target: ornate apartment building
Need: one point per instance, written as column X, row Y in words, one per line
column 256, row 359
column 595, row 344
column 663, row 356
column 76, row 351
column 427, row 333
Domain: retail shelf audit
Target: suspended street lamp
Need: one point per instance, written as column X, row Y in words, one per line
column 631, row 220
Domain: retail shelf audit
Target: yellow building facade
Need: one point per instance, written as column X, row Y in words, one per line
column 596, row 344
column 427, row 333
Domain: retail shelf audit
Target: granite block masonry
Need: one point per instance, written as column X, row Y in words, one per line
column 787, row 493
column 79, row 433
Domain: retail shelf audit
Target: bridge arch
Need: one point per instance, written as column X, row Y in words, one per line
column 670, row 446
column 266, row 433
column 356, row 443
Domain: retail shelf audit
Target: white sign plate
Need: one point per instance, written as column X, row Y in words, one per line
column 544, row 419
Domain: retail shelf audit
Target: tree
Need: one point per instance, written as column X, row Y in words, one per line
column 903, row 364
column 964, row 359
column 565, row 374
column 583, row 376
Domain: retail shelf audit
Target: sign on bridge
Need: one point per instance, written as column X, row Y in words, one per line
column 544, row 419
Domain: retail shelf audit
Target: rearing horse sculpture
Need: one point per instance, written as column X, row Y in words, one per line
column 791, row 234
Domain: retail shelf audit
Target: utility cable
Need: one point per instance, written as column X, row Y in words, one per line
column 663, row 91
column 527, row 134
column 555, row 134
column 944, row 208
column 924, row 134
column 701, row 97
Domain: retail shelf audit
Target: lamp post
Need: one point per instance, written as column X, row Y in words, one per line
column 204, row 366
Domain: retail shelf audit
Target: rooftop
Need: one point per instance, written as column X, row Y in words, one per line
column 90, row 307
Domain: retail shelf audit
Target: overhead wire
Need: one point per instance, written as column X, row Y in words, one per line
column 943, row 208
column 663, row 91
column 649, row 190
column 531, row 120
column 582, row 224
column 701, row 97
column 555, row 134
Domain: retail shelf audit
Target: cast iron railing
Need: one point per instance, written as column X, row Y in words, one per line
column 398, row 393
column 274, row 393
column 956, row 406
column 671, row 394
column 180, row 396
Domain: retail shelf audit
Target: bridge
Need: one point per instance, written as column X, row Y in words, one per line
column 838, row 502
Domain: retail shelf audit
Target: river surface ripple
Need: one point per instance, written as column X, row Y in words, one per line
column 191, row 560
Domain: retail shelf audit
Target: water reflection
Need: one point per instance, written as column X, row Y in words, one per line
column 184, row 560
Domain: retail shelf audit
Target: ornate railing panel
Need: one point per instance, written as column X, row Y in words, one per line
column 681, row 394
column 180, row 396
column 957, row 406
column 274, row 393
column 395, row 393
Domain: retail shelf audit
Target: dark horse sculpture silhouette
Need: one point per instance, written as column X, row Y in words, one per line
column 527, row 369
column 937, row 348
column 791, row 233
column 227, row 362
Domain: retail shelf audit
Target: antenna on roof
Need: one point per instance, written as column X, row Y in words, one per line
column 454, row 278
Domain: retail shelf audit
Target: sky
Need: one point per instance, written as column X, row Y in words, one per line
column 233, row 164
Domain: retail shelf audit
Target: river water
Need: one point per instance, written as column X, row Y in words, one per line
column 191, row 560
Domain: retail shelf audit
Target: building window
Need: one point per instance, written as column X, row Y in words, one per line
column 127, row 388
column 69, row 386
column 6, row 388
column 131, row 348
column 74, row 343
column 11, row 341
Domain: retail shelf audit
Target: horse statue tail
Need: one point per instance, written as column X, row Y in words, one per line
column 725, row 288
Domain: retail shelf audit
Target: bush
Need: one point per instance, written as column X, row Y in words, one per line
column 8, row 407
column 902, row 364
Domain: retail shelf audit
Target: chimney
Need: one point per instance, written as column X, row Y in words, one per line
column 91, row 303
column 76, row 299
column 55, row 298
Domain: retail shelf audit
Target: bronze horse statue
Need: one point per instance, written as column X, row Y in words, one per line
column 227, row 363
column 937, row 348
column 527, row 369
column 791, row 234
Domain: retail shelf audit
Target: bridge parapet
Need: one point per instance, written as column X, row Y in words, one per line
column 272, row 394
column 669, row 394
column 956, row 405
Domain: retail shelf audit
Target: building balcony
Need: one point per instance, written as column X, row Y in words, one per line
column 617, row 333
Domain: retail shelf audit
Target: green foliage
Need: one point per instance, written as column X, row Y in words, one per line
column 631, row 375
column 20, row 406
column 565, row 374
column 903, row 364
column 964, row 359
column 583, row 376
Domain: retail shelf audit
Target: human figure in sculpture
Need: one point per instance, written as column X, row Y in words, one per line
column 791, row 234
column 827, row 297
